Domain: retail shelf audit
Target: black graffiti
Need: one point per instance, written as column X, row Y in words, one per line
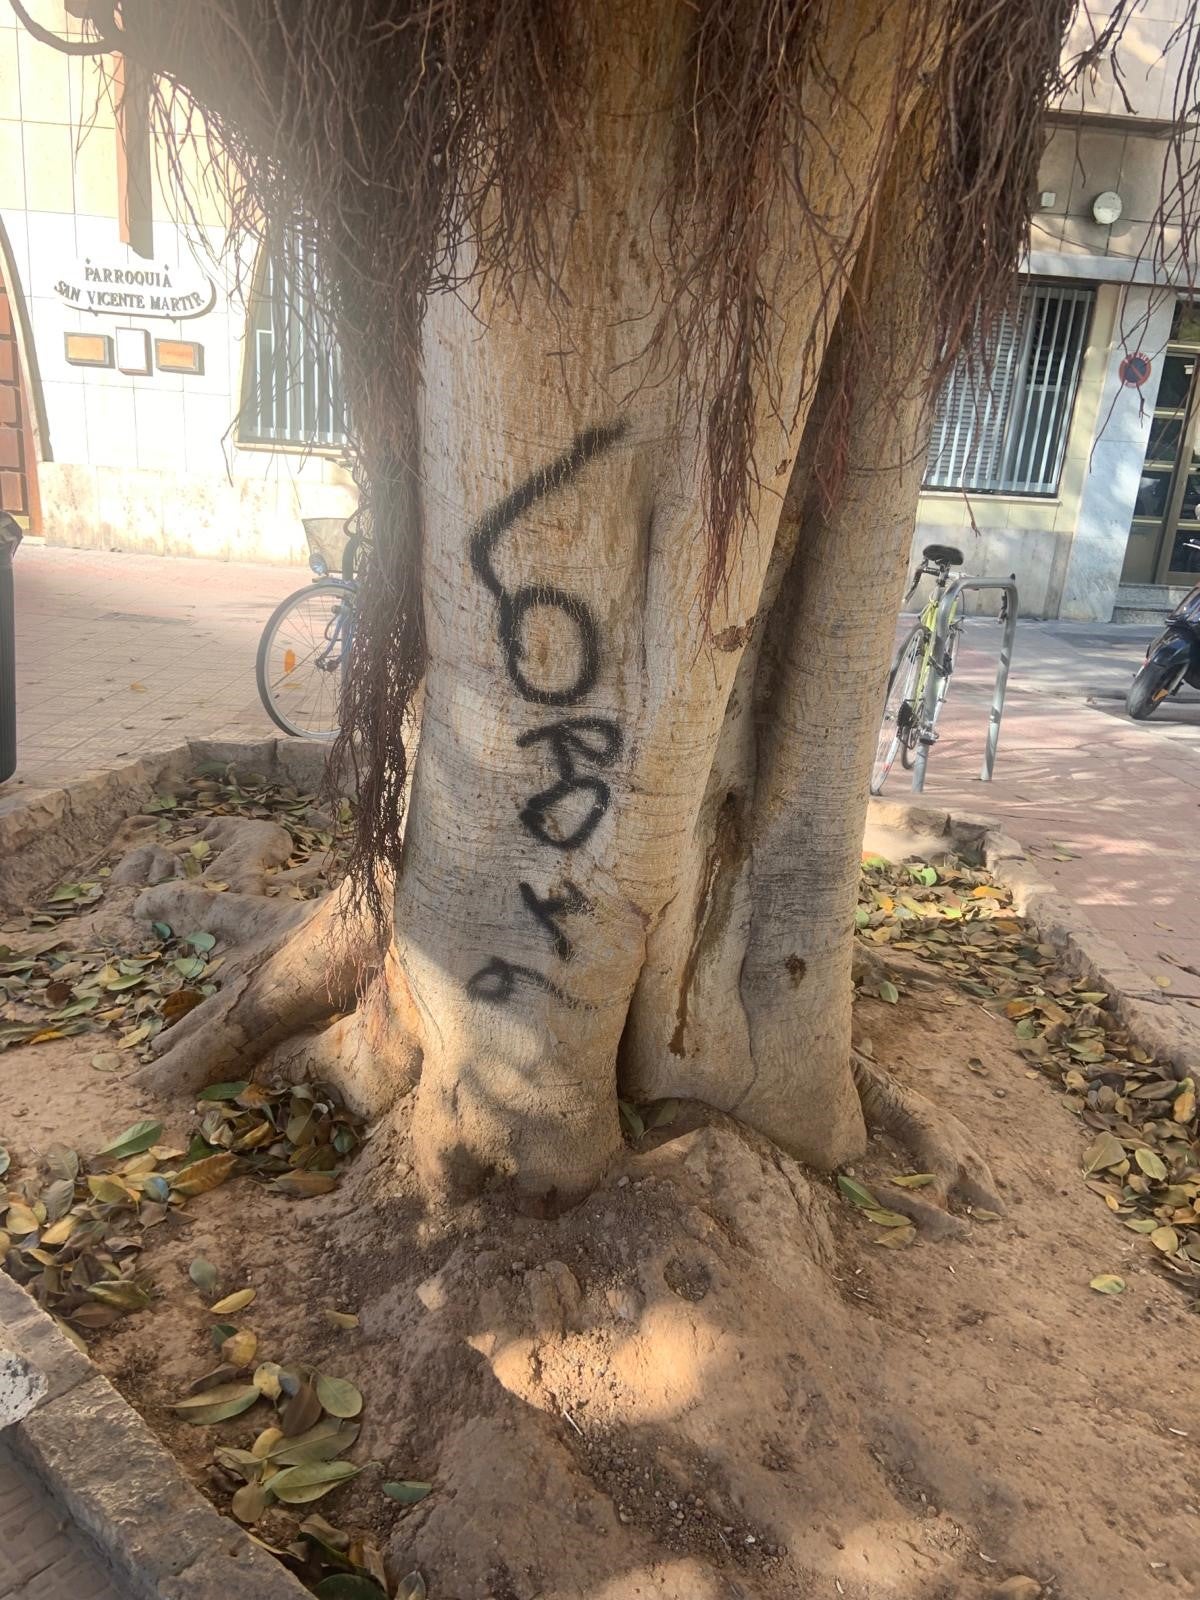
column 496, row 983
column 570, row 743
column 573, row 741
column 513, row 607
column 548, row 908
column 513, row 610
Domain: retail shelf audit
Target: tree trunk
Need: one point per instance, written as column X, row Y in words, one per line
column 745, row 998
column 575, row 692
column 634, row 824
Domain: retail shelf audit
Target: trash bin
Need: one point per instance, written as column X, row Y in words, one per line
column 10, row 538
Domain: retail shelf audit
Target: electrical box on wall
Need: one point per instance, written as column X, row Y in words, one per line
column 1046, row 199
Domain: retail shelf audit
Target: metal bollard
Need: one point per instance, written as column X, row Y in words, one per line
column 10, row 538
column 934, row 693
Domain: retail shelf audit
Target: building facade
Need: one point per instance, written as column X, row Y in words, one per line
column 1073, row 465
column 154, row 397
column 157, row 397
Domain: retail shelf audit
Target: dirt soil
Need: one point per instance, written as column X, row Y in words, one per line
column 707, row 1381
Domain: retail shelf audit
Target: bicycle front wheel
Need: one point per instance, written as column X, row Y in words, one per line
column 301, row 658
column 901, row 713
column 908, row 754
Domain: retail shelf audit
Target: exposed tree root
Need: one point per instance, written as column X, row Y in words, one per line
column 371, row 1054
column 299, row 965
column 937, row 1142
column 247, row 849
column 147, row 863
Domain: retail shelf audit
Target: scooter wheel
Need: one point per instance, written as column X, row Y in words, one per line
column 1147, row 692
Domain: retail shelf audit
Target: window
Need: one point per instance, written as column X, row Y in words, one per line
column 1003, row 426
column 292, row 393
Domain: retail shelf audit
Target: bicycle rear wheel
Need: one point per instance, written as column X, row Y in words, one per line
column 901, row 713
column 301, row 656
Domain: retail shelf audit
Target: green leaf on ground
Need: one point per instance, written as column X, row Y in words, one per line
column 631, row 1119
column 296, row 1486
column 407, row 1491
column 856, row 1193
column 132, row 1142
column 1151, row 1163
column 348, row 1586
column 203, row 1274
column 1106, row 1151
column 339, row 1397
column 216, row 1405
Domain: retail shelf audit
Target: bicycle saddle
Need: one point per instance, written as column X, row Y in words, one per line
column 943, row 555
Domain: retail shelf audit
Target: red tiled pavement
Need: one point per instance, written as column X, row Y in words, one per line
column 1076, row 779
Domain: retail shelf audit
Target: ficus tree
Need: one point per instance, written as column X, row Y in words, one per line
column 640, row 308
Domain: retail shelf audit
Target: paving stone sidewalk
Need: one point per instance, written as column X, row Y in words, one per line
column 117, row 654
column 121, row 653
column 41, row 1556
column 1108, row 807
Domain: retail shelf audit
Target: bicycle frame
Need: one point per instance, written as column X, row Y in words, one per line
column 929, row 658
column 338, row 628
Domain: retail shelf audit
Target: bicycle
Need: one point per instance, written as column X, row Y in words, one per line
column 304, row 646
column 904, row 725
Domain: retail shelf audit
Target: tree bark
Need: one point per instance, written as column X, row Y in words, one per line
column 745, row 998
column 635, row 818
column 575, row 692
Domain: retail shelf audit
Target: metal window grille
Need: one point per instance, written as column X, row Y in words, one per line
column 292, row 392
column 1002, row 419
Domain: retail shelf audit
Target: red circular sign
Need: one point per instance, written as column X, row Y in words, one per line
column 1135, row 370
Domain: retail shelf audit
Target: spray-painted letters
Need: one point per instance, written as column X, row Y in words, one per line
column 566, row 813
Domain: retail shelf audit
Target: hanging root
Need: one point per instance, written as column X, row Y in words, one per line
column 299, row 965
column 937, row 1142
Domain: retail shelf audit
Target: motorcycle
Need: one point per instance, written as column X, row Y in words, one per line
column 1173, row 659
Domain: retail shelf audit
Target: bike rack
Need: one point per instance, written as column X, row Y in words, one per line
column 932, row 703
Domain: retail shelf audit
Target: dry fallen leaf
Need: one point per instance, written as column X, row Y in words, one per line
column 1108, row 1283
column 237, row 1301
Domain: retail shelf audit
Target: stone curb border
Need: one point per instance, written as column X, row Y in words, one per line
column 100, row 1463
column 38, row 825
column 1158, row 1023
column 159, row 1536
